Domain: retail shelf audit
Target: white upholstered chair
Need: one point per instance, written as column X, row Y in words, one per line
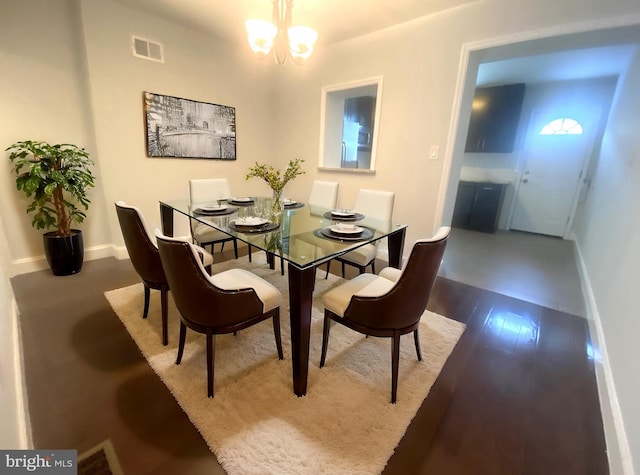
column 204, row 191
column 377, row 206
column 389, row 304
column 323, row 194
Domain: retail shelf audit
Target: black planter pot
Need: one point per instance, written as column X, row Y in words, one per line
column 65, row 254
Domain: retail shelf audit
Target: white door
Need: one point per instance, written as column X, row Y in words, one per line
column 550, row 180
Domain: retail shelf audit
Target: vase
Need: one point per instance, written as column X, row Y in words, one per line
column 277, row 207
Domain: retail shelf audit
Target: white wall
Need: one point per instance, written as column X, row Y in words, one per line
column 15, row 432
column 44, row 96
column 608, row 235
column 43, row 90
column 196, row 67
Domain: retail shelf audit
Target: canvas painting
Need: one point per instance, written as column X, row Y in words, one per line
column 184, row 128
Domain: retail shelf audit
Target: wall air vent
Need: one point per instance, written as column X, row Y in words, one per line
column 147, row 49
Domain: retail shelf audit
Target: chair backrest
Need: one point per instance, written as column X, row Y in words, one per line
column 375, row 204
column 141, row 246
column 208, row 190
column 404, row 304
column 324, row 194
column 197, row 298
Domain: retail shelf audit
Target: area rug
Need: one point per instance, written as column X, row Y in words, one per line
column 255, row 424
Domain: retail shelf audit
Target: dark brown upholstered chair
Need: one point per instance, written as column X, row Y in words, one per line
column 145, row 258
column 389, row 304
column 225, row 302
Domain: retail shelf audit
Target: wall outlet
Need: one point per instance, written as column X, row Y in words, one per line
column 433, row 152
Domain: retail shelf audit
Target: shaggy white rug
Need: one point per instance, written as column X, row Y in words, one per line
column 255, row 424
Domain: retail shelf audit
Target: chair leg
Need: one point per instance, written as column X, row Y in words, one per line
column 395, row 359
column 235, row 247
column 325, row 338
column 183, row 334
column 165, row 318
column 249, row 247
column 281, row 266
column 416, row 339
column 147, row 294
column 373, row 266
column 326, row 276
column 342, row 270
column 276, row 331
column 222, row 247
column 211, row 349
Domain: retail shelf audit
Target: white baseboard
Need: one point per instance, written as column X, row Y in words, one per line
column 120, row 252
column 36, row 263
column 618, row 449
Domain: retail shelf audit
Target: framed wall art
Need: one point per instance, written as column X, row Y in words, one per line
column 182, row 128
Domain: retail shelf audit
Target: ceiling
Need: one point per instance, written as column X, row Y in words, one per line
column 335, row 20
column 559, row 66
column 339, row 20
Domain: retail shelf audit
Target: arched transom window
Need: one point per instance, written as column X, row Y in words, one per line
column 563, row 126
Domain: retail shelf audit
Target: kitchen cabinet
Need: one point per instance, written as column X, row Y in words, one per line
column 360, row 110
column 478, row 206
column 495, row 116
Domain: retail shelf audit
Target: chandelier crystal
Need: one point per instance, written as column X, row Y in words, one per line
column 280, row 36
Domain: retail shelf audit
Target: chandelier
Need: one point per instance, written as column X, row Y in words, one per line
column 280, row 36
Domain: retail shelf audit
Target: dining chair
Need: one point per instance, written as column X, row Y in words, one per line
column 225, row 302
column 323, row 194
column 143, row 252
column 204, row 191
column 389, row 304
column 377, row 206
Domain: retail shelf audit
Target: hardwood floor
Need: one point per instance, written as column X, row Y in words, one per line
column 518, row 394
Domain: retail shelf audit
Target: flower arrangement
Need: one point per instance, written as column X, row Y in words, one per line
column 275, row 178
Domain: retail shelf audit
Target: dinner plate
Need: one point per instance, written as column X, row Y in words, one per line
column 213, row 208
column 353, row 217
column 250, row 222
column 242, row 200
column 328, row 233
column 343, row 213
column 214, row 211
column 263, row 228
column 337, row 229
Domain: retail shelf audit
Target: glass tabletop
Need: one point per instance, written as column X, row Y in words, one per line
column 307, row 235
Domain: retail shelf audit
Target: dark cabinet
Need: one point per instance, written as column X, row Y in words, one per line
column 478, row 206
column 495, row 116
column 360, row 110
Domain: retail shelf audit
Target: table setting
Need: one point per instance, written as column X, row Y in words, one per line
column 252, row 224
column 346, row 232
column 343, row 215
column 214, row 210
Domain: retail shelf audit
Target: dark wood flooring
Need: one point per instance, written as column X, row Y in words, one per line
column 517, row 396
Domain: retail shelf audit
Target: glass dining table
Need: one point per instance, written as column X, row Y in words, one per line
column 306, row 237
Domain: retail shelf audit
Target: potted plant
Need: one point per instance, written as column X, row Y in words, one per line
column 56, row 179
